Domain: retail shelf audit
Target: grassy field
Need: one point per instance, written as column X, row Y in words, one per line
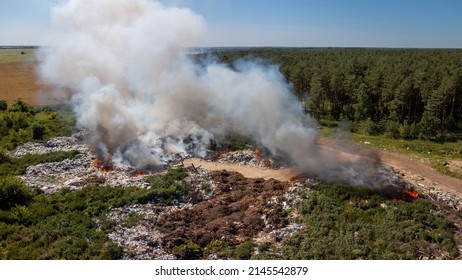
column 18, row 78
column 17, row 55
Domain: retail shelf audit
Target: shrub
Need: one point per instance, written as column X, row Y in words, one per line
column 19, row 105
column 63, row 226
column 38, row 131
column 237, row 142
column 3, row 105
column 393, row 129
column 17, row 166
column 243, row 251
column 14, row 192
column 20, row 124
column 167, row 186
column 370, row 127
column 409, row 131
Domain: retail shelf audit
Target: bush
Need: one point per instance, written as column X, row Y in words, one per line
column 372, row 128
column 3, row 105
column 20, row 124
column 38, row 131
column 14, row 192
column 243, row 251
column 392, row 129
column 17, row 166
column 409, row 131
column 19, row 105
column 166, row 186
column 237, row 142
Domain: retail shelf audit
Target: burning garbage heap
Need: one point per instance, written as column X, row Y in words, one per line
column 148, row 235
column 72, row 173
column 255, row 158
column 144, row 238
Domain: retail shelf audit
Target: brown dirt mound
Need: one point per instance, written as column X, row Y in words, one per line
column 234, row 214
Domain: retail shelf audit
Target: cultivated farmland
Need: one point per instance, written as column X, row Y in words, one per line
column 18, row 78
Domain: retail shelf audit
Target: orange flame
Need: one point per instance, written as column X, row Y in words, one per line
column 267, row 161
column 100, row 164
column 412, row 193
column 139, row 174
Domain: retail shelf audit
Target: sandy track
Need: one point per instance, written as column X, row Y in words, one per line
column 413, row 166
column 284, row 175
column 406, row 165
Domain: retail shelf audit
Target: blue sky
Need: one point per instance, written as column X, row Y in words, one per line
column 310, row 23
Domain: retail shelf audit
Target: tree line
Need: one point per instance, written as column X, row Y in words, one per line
column 407, row 93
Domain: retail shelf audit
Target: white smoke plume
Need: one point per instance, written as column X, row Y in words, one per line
column 132, row 83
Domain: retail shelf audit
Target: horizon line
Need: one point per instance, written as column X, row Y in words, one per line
column 13, row 46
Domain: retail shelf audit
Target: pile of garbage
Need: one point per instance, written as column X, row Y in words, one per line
column 76, row 142
column 253, row 158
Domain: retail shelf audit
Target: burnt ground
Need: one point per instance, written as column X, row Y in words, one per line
column 238, row 211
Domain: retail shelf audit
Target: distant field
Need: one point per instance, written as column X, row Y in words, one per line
column 18, row 78
column 17, row 55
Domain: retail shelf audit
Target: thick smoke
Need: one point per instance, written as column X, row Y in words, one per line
column 133, row 84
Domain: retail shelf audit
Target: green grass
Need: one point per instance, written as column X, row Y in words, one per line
column 17, row 55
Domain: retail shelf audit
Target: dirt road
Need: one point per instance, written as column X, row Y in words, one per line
column 284, row 175
column 415, row 171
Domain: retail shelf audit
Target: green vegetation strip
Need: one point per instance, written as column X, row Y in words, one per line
column 17, row 166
